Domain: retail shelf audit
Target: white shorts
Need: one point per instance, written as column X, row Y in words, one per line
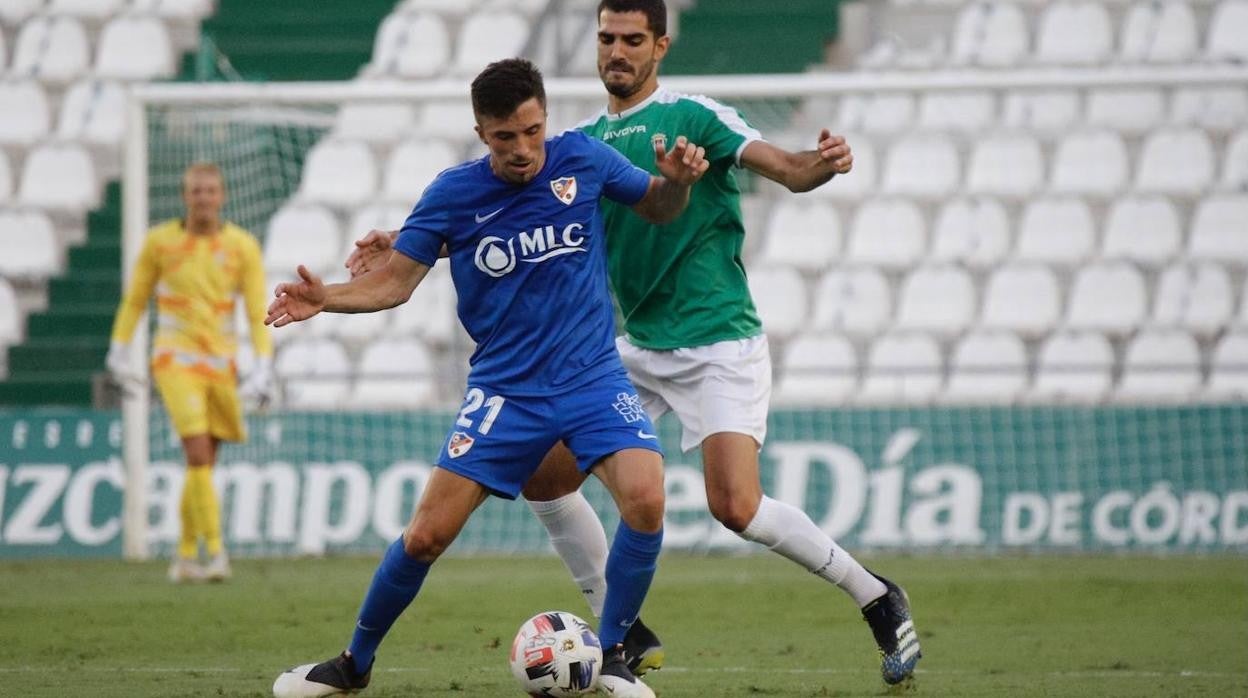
column 720, row 387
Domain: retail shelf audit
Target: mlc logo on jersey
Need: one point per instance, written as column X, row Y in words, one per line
column 497, row 257
column 564, row 189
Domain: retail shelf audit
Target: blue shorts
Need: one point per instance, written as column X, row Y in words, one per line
column 499, row 441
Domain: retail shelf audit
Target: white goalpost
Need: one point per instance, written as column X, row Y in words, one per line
column 242, row 123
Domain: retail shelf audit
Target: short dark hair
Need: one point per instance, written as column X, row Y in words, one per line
column 654, row 10
column 504, row 85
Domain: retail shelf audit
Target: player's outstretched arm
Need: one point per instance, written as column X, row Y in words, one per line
column 804, row 171
column 681, row 168
column 383, row 288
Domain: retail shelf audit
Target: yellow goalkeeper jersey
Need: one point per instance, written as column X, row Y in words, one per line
column 196, row 279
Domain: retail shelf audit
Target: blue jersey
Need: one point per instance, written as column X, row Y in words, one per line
column 529, row 263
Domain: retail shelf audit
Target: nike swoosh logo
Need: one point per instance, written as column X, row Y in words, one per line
column 644, row 435
column 481, row 219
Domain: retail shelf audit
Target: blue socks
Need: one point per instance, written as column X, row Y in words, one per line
column 395, row 584
column 630, row 569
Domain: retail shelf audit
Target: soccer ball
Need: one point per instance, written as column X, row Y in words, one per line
column 556, row 654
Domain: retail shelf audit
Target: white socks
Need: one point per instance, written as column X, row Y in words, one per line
column 789, row 531
column 578, row 537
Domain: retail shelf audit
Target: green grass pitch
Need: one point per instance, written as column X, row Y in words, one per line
column 733, row 626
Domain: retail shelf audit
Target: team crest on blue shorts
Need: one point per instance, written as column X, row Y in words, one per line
column 459, row 444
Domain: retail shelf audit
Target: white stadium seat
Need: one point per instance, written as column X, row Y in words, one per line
column 902, row 368
column 413, row 165
column 859, row 183
column 1220, row 230
column 1128, row 111
column 937, row 300
column 14, row 12
column 1006, row 165
column 4, row 54
column 6, row 178
column 1073, row 367
column 1074, row 34
column 374, row 122
column 1058, row 232
column 888, row 233
column 61, row 177
column 29, row 244
column 26, row 115
column 85, row 9
column 1228, row 372
column 1051, row 112
column 856, row 301
column 1160, row 171
column 452, row 120
column 987, row 367
column 802, row 233
column 339, row 173
column 445, row 8
column 818, row 369
column 410, row 45
column 1194, row 297
column 1090, row 163
column 1107, row 297
column 971, row 232
column 485, row 37
column 360, row 327
column 11, row 320
column 1211, row 108
column 134, row 48
column 307, row 235
column 781, row 299
column 315, row 373
column 1144, row 230
column 1235, row 165
column 1228, row 31
column 183, row 10
column 884, row 114
column 967, row 112
column 430, row 314
column 990, row 34
column 394, row 374
column 378, row 216
column 53, row 50
column 1022, row 298
column 1159, row 32
column 1160, row 365
column 922, row 167
column 94, row 111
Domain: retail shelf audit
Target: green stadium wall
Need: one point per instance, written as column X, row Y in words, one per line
column 1151, row 479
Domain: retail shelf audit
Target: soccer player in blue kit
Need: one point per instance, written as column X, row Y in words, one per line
column 524, row 235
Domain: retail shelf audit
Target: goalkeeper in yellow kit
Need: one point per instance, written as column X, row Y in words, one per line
column 196, row 266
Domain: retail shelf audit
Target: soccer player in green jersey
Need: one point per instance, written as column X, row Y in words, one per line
column 693, row 342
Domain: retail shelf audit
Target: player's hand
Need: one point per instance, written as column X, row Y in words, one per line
column 257, row 386
column 685, row 164
column 834, row 149
column 371, row 252
column 297, row 300
column 120, row 366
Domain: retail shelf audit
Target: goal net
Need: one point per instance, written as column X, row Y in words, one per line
column 323, row 473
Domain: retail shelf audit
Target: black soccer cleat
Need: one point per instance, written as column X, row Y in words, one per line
column 643, row 651
column 617, row 679
column 893, row 628
column 333, row 677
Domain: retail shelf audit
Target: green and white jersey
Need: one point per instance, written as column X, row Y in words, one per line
column 681, row 284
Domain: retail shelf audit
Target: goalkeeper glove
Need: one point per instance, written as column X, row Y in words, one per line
column 257, row 386
column 121, row 367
